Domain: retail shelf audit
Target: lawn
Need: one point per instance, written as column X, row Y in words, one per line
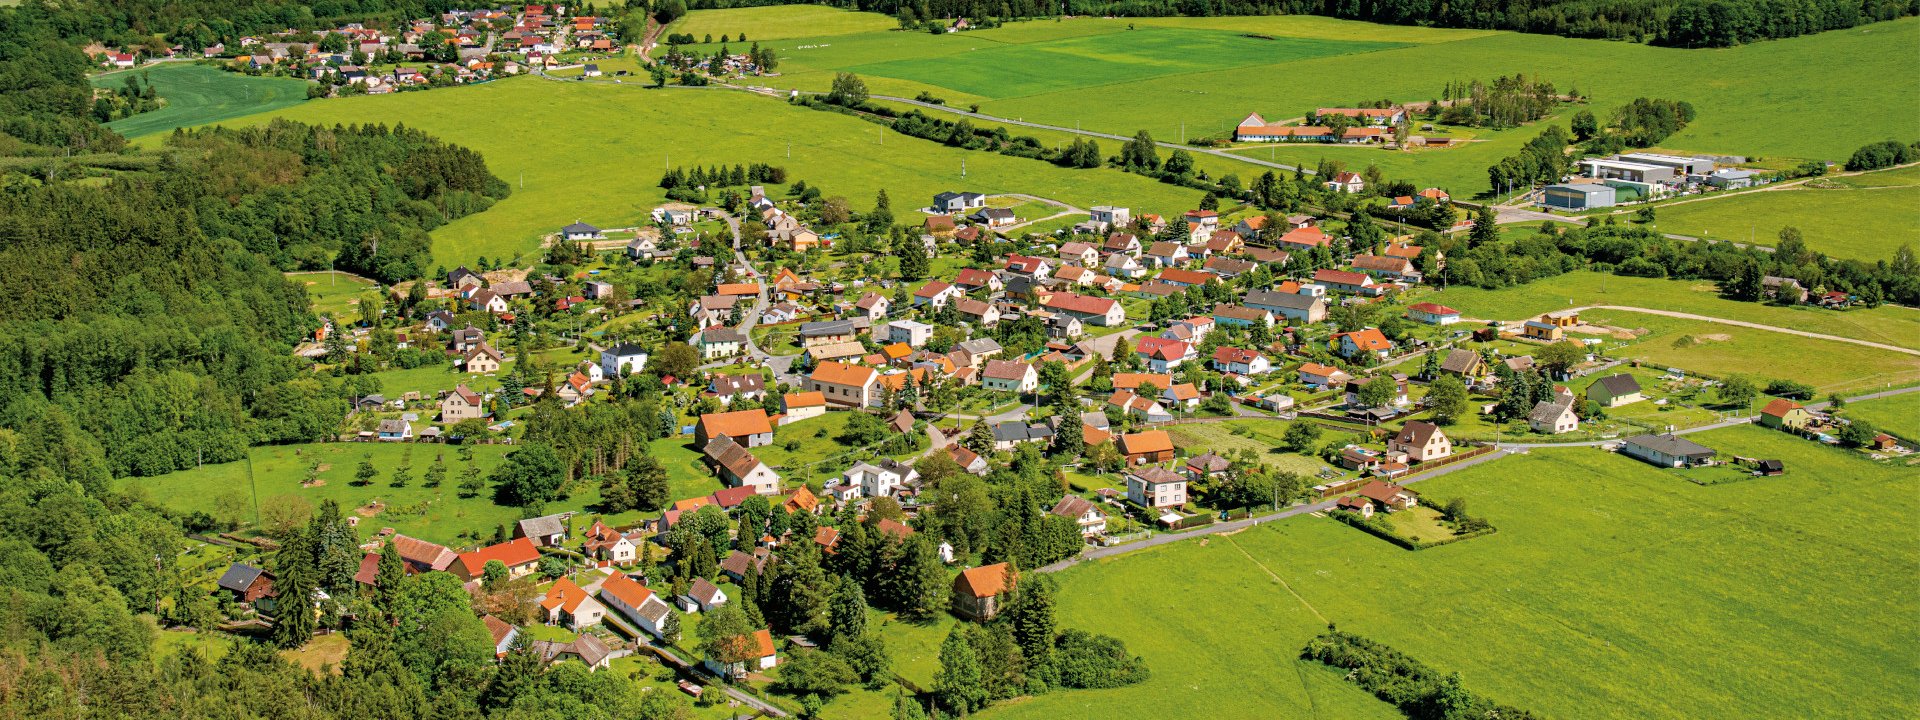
column 570, row 137
column 1719, row 350
column 201, row 94
column 437, row 514
column 1899, row 414
column 334, row 293
column 1889, row 324
column 1613, row 589
column 1862, row 223
column 1262, row 437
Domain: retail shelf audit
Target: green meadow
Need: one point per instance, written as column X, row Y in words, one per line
column 1612, row 589
column 201, row 94
column 333, row 293
column 1889, row 324
column 1867, row 221
column 779, row 22
column 1899, row 414
column 1204, row 74
column 595, row 151
column 1719, row 350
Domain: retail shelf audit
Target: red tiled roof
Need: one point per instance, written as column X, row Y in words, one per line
column 985, row 581
column 1433, row 309
column 513, row 553
column 738, row 423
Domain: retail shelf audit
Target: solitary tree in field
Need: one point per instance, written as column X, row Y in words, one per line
column 364, row 474
column 848, row 90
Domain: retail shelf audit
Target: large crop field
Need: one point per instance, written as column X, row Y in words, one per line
column 779, row 22
column 1612, row 589
column 1889, row 324
column 198, row 95
column 1119, row 75
column 595, row 152
column 1866, row 221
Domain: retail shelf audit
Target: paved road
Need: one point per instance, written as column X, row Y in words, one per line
column 1755, row 326
column 1297, row 510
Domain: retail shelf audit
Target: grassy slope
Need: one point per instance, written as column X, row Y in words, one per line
column 198, row 94
column 1868, row 221
column 333, row 293
column 594, row 152
column 1552, row 612
column 1888, row 324
column 1899, row 414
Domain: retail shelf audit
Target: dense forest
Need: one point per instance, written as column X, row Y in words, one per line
column 149, row 314
column 1679, row 23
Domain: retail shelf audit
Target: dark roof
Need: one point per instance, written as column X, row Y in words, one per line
column 543, row 526
column 1617, row 385
column 1016, row 431
column 240, row 576
column 580, row 227
column 1671, row 445
column 1291, row 301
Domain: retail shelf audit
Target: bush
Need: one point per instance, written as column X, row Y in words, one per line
column 1886, row 153
column 1393, row 676
column 1089, row 660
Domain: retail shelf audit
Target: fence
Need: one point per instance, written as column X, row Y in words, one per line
column 1477, row 451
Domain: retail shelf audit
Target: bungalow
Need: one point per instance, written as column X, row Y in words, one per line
column 702, row 595
column 588, row 649
column 750, row 428
column 1293, row 306
column 1007, row 435
column 1615, row 390
column 938, row 225
column 1667, row 450
column 1784, row 414
column 873, row 306
column 935, row 294
column 1432, row 313
column 1359, row 342
column 1156, row 487
column 580, row 231
column 1389, row 496
column 1553, row 417
column 1542, row 331
column 977, row 591
column 994, row 217
column 1348, row 282
column 1103, row 312
column 1354, row 504
column 1228, row 268
column 1323, row 376
column 395, row 430
column 636, row 603
column 1234, row 315
column 1240, row 361
column 721, row 342
column 1147, row 447
column 567, row 604
column 246, row 582
column 1422, row 441
column 519, row 555
column 1010, row 376
column 737, row 564
column 843, row 385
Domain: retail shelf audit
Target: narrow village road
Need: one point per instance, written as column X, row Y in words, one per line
column 1297, row 510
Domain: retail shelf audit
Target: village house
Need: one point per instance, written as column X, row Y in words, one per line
column 1615, row 390
column 1347, row 182
column 544, row 531
column 394, row 430
column 873, row 306
column 1352, row 283
column 1542, row 331
column 606, row 544
column 844, row 385
column 1163, row 355
column 740, row 468
column 1146, row 447
column 1102, row 312
column 909, row 332
column 977, row 591
column 1323, row 376
column 1667, row 450
column 1422, row 441
column 1465, row 363
column 935, row 294
column 1553, row 417
column 1784, row 414
column 482, row 360
column 462, row 404
column 795, row 407
column 1012, row 433
column 246, row 583
column 635, row 603
column 1360, row 342
column 721, row 342
column 1240, row 361
column 1010, row 376
column 519, row 555
column 568, row 605
column 745, row 387
column 1155, row 487
column 1083, row 512
column 1299, row 307
column 750, row 428
column 702, row 595
column 1389, row 496
column 1238, row 316
column 1432, row 313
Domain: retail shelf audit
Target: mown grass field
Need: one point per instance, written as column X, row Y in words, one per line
column 1899, row 414
column 1889, row 324
column 1613, row 589
column 1747, row 96
column 594, row 151
column 199, row 94
column 1866, row 222
column 1720, row 350
column 1461, row 170
column 333, row 293
column 779, row 22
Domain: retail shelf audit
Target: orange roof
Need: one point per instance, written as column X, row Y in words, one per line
column 737, row 289
column 691, row 504
column 802, row 499
column 738, row 423
column 763, row 641
column 898, row 381
column 564, row 595
column 1320, row 370
column 896, row 351
column 985, row 581
column 806, row 399
column 1151, row 441
column 1093, row 435
column 624, row 589
column 1779, row 407
column 839, row 373
column 1433, row 308
column 1312, row 236
column 1368, row 339
column 1129, row 381
column 519, row 551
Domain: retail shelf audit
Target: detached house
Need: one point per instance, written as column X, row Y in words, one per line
column 1360, row 342
column 977, row 591
column 1083, row 512
column 1146, row 448
column 1422, row 441
column 935, row 294
column 750, row 428
column 1293, row 306
column 843, row 385
column 1240, row 361
column 1432, row 313
column 1615, row 390
column 1010, row 376
column 1156, row 487
column 1553, row 416
column 568, row 605
column 1102, row 312
column 462, row 404
column 1784, row 414
column 635, row 603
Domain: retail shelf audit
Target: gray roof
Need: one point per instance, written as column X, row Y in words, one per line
column 980, row 346
column 1291, row 301
column 825, row 328
column 543, row 526
column 1670, row 445
column 1016, row 431
column 580, row 227
column 722, row 335
column 239, row 577
column 393, row 426
column 1546, row 412
column 1618, row 385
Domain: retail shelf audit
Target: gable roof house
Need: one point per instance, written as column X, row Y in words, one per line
column 843, row 385
column 1293, row 306
column 1553, row 417
column 1240, row 361
column 1368, row 340
column 1667, row 450
column 635, row 602
column 246, row 582
column 1103, row 312
column 544, row 531
column 750, row 428
column 567, row 604
column 739, row 468
column 1422, row 441
column 1781, row 413
column 462, row 404
column 1464, row 363
column 1389, row 496
column 1146, row 447
column 977, row 591
column 1349, row 282
column 1156, row 487
column 1432, row 313
column 1010, row 376
column 519, row 555
column 1615, row 390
